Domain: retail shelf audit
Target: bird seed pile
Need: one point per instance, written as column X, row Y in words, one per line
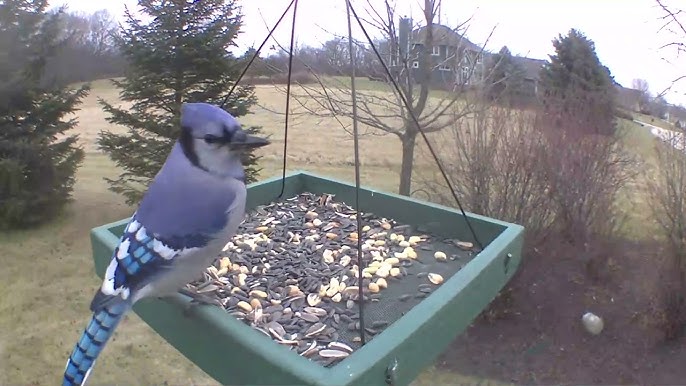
column 291, row 273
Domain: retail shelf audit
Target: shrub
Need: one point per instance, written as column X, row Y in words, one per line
column 667, row 192
column 492, row 157
column 38, row 158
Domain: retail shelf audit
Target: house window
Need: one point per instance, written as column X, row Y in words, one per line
column 435, row 50
column 479, row 58
column 415, row 64
column 444, row 67
column 465, row 73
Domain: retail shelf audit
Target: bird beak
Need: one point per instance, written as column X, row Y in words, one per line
column 250, row 142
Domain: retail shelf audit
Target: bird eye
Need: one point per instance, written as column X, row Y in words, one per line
column 209, row 138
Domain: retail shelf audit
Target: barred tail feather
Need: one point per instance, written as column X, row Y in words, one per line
column 92, row 341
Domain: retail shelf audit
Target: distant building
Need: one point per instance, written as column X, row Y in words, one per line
column 456, row 60
column 677, row 115
column 628, row 98
column 532, row 74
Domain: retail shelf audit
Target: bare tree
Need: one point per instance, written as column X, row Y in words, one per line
column 674, row 23
column 667, row 189
column 523, row 167
column 88, row 51
column 496, row 159
column 641, row 85
column 644, row 99
column 421, row 60
column 336, row 53
column 586, row 172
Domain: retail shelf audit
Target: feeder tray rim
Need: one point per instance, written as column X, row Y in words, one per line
column 365, row 357
column 373, row 190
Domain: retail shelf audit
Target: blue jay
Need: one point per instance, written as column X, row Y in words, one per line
column 192, row 208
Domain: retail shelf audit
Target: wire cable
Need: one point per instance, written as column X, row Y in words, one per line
column 288, row 101
column 256, row 54
column 356, row 146
column 419, row 128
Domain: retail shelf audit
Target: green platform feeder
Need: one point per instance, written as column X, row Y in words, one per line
column 234, row 353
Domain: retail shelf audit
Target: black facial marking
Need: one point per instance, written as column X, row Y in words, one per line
column 224, row 139
column 228, row 136
column 210, row 139
column 186, row 141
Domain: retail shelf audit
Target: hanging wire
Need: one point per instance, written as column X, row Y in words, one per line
column 288, row 101
column 256, row 54
column 356, row 146
column 416, row 122
column 288, row 86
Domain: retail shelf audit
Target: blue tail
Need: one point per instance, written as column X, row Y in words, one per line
column 92, row 341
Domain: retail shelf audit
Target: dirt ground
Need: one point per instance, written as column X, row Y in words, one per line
column 540, row 339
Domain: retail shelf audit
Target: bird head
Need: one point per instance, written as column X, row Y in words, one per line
column 213, row 140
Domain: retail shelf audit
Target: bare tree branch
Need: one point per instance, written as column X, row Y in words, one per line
column 673, row 25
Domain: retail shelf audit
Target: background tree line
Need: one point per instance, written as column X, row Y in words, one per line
column 87, row 50
column 332, row 58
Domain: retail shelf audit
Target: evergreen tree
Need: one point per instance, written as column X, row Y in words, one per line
column 38, row 159
column 506, row 77
column 577, row 87
column 179, row 55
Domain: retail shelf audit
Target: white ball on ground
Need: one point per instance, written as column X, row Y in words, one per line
column 593, row 323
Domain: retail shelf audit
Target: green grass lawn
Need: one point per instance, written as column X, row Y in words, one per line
column 641, row 143
column 363, row 83
column 653, row 121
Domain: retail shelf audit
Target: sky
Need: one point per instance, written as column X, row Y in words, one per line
column 625, row 32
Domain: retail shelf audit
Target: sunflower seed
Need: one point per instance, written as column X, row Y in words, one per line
column 329, row 353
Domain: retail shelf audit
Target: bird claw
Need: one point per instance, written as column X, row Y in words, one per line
column 198, row 299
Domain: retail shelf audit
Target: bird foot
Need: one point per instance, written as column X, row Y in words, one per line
column 198, row 299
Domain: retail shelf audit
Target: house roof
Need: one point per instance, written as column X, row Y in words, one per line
column 444, row 35
column 678, row 112
column 627, row 97
column 532, row 67
column 629, row 92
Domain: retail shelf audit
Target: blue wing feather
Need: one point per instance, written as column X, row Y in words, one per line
column 181, row 209
column 158, row 231
column 137, row 260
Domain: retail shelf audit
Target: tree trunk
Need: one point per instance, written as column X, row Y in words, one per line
column 408, row 141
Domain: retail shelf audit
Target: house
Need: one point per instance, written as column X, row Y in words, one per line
column 628, row 98
column 531, row 74
column 454, row 59
column 677, row 115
